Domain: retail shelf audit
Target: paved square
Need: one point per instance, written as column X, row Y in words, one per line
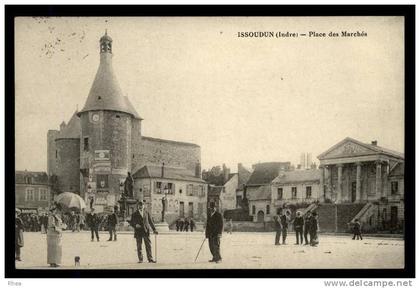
column 177, row 250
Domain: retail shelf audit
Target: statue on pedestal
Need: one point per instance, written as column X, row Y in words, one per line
column 128, row 186
column 164, row 205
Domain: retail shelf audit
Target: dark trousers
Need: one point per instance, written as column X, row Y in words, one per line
column 148, row 245
column 305, row 234
column 214, row 244
column 17, row 252
column 94, row 230
column 112, row 230
column 313, row 238
column 284, row 236
column 299, row 234
column 278, row 234
column 358, row 234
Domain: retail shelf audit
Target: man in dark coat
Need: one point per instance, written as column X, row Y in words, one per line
column 177, row 224
column 142, row 222
column 93, row 221
column 298, row 225
column 181, row 224
column 284, row 221
column 214, row 229
column 277, row 228
column 112, row 225
column 192, row 225
column 18, row 235
column 186, row 224
column 313, row 229
column 357, row 230
column 306, row 227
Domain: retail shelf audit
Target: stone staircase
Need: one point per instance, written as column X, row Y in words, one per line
column 345, row 213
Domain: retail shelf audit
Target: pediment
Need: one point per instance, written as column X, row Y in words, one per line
column 347, row 149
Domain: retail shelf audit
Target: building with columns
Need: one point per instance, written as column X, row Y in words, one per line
column 356, row 172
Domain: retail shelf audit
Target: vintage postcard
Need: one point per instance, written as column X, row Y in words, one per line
column 210, row 143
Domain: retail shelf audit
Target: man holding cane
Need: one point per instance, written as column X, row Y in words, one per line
column 142, row 222
column 214, row 229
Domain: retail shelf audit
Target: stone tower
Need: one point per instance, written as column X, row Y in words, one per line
column 108, row 124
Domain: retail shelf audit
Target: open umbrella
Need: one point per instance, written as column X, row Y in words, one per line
column 71, row 200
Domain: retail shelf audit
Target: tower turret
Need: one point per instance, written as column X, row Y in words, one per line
column 108, row 124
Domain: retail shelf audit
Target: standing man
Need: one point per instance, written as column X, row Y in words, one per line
column 277, row 228
column 357, row 230
column 192, row 225
column 93, row 221
column 214, row 229
column 298, row 225
column 18, row 234
column 142, row 222
column 112, row 225
column 284, row 221
column 313, row 229
column 186, row 224
column 306, row 225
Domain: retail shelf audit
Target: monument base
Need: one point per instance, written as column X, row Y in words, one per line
column 162, row 227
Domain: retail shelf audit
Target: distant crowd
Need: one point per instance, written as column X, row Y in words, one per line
column 182, row 224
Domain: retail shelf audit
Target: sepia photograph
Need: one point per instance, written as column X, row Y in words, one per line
column 184, row 143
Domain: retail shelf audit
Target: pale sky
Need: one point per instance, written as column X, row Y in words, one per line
column 245, row 100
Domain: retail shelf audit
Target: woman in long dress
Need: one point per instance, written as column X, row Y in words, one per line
column 54, row 238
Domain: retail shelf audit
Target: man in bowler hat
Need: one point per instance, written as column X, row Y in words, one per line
column 142, row 222
column 214, row 228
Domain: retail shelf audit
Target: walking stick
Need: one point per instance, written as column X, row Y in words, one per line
column 156, row 247
column 200, row 249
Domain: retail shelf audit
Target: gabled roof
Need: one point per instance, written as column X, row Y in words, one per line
column 298, row 176
column 264, row 173
column 72, row 129
column 263, row 193
column 369, row 149
column 40, row 178
column 152, row 171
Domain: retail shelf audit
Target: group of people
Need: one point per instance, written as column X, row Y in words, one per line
column 182, row 224
column 34, row 222
column 94, row 221
column 303, row 226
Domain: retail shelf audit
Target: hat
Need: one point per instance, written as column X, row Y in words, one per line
column 17, row 210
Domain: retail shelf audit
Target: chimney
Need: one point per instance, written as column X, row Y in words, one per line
column 163, row 170
column 62, row 125
column 375, row 143
column 225, row 174
column 198, row 170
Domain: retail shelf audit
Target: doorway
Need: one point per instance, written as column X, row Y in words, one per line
column 190, row 209
column 181, row 209
column 394, row 217
column 260, row 216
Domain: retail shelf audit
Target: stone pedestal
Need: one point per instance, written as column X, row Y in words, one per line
column 162, row 227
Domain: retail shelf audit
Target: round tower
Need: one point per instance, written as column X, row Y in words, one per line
column 106, row 122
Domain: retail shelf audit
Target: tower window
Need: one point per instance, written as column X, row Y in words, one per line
column 99, row 97
column 118, row 116
column 56, row 154
column 86, row 144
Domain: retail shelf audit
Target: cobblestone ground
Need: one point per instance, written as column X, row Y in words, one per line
column 239, row 250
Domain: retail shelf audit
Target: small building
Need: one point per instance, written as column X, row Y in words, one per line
column 184, row 194
column 260, row 204
column 32, row 191
column 222, row 187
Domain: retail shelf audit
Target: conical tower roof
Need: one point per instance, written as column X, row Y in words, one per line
column 105, row 93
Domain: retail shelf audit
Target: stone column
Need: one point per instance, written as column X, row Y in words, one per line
column 340, row 183
column 378, row 179
column 358, row 182
column 327, row 171
column 321, row 184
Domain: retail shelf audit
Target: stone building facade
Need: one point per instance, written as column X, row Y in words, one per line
column 92, row 154
column 32, row 191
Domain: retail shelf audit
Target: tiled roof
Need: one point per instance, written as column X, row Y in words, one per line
column 72, row 129
column 152, row 171
column 298, row 176
column 168, row 141
column 264, row 173
column 35, row 177
column 263, row 193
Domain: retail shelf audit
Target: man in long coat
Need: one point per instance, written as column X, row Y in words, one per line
column 214, row 229
column 142, row 222
column 112, row 225
column 18, row 235
column 93, row 221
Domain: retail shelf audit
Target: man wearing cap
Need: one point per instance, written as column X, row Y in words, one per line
column 313, row 229
column 214, row 228
column 18, row 235
column 92, row 220
column 112, row 220
column 142, row 222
